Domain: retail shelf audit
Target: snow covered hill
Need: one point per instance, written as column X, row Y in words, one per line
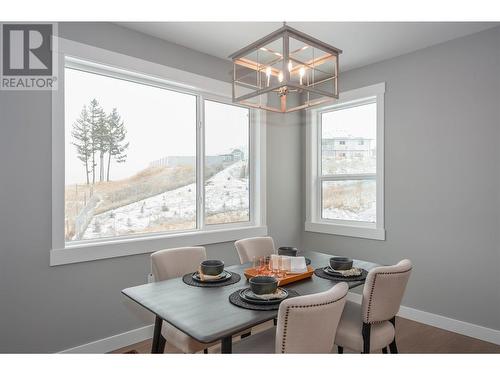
column 226, row 192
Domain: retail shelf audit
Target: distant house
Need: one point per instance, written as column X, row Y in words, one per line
column 235, row 155
column 348, row 147
column 176, row 161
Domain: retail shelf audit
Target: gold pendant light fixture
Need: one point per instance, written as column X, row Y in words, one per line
column 285, row 71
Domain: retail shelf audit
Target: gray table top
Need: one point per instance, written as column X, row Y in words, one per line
column 206, row 313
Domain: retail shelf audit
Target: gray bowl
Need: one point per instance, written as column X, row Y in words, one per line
column 212, row 267
column 288, row 251
column 263, row 284
column 341, row 263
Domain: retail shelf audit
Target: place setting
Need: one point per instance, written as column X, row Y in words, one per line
column 263, row 294
column 211, row 273
column 341, row 269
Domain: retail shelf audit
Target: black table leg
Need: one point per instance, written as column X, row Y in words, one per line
column 155, row 347
column 226, row 345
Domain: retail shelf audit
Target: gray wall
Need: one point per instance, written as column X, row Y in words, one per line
column 284, row 177
column 48, row 309
column 442, row 176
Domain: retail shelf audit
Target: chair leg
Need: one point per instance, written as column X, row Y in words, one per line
column 384, row 350
column 392, row 346
column 340, row 349
column 161, row 344
column 366, row 337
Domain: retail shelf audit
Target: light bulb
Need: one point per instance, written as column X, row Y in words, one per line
column 280, row 76
column 268, row 75
column 302, row 71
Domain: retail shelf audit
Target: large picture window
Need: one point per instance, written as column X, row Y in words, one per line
column 345, row 164
column 148, row 157
column 130, row 157
column 145, row 158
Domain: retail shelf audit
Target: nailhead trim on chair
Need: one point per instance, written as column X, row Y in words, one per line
column 285, row 326
column 373, row 289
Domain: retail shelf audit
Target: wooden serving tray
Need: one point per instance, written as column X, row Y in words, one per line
column 252, row 272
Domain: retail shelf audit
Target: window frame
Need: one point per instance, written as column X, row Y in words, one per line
column 116, row 65
column 314, row 220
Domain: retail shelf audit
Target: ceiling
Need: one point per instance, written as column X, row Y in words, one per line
column 363, row 43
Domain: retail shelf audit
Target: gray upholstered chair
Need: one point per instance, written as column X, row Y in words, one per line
column 306, row 324
column 371, row 326
column 250, row 248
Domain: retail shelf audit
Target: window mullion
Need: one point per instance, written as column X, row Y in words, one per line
column 345, row 177
column 200, row 163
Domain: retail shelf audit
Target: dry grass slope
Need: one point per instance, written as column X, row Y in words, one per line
column 113, row 194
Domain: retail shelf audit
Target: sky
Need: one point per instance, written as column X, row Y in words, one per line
column 159, row 122
column 360, row 121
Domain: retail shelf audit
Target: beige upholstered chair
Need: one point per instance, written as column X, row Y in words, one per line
column 306, row 324
column 176, row 262
column 371, row 326
column 250, row 248
column 168, row 264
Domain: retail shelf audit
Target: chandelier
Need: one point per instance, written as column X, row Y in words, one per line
column 285, row 71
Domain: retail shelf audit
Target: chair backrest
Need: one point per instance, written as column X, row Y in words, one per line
column 170, row 263
column 248, row 248
column 308, row 324
column 383, row 291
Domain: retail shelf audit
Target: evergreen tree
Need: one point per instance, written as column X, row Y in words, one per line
column 115, row 139
column 97, row 135
column 81, row 132
column 97, row 129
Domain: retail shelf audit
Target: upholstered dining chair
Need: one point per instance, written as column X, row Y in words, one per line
column 250, row 248
column 168, row 264
column 306, row 324
column 371, row 326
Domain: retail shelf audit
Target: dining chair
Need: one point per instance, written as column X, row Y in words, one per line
column 306, row 324
column 168, row 264
column 172, row 263
column 371, row 326
column 255, row 247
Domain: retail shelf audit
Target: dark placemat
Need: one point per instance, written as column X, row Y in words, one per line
column 320, row 273
column 236, row 300
column 188, row 279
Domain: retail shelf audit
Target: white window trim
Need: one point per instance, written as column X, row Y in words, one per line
column 167, row 77
column 314, row 222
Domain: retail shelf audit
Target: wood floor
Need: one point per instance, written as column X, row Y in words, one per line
column 412, row 337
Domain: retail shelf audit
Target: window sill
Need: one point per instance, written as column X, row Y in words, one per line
column 144, row 245
column 346, row 230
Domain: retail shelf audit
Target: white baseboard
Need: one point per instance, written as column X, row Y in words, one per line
column 115, row 342
column 439, row 321
column 121, row 340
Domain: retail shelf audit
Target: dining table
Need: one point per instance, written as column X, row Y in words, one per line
column 206, row 315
